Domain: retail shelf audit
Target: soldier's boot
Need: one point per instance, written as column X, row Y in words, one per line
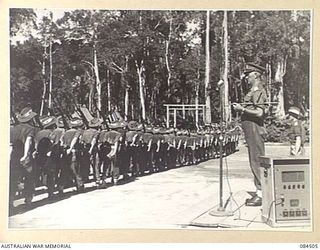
column 115, row 181
column 28, row 201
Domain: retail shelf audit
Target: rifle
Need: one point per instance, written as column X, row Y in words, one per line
column 105, row 120
column 64, row 116
column 79, row 111
column 13, row 116
column 59, row 107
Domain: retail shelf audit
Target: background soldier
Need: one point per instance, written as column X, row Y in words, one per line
column 252, row 117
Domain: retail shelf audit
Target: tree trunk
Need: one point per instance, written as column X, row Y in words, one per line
column 91, row 93
column 108, row 90
column 269, row 81
column 44, row 84
column 141, row 78
column 126, row 103
column 50, row 73
column 226, row 105
column 127, row 88
column 197, row 88
column 280, row 73
column 167, row 52
column 207, row 73
column 96, row 72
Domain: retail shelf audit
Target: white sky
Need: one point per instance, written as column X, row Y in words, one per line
column 58, row 13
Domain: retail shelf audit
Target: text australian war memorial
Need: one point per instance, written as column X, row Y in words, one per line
column 101, row 98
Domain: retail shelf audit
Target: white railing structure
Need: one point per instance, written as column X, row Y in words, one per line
column 173, row 108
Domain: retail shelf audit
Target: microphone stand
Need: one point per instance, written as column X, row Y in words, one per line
column 221, row 210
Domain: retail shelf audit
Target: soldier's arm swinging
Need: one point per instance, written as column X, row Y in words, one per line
column 149, row 145
column 27, row 148
column 73, row 143
column 93, row 143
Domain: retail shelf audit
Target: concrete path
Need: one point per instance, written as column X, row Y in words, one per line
column 165, row 200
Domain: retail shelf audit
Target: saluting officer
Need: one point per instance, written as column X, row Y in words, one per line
column 252, row 117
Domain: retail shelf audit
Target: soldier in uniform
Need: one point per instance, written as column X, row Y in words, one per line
column 21, row 160
column 160, row 149
column 114, row 139
column 57, row 151
column 90, row 157
column 252, row 117
column 191, row 148
column 146, row 149
column 45, row 170
column 71, row 143
column 133, row 138
column 171, row 148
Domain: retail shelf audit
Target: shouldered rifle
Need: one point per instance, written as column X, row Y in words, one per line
column 104, row 118
column 79, row 111
column 63, row 115
column 59, row 107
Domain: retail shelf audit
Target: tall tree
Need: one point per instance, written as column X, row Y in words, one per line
column 207, row 77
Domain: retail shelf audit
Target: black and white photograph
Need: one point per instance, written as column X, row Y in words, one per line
column 160, row 119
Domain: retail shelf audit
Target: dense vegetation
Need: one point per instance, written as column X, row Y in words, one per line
column 138, row 60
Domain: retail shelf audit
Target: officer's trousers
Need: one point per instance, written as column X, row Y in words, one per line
column 254, row 136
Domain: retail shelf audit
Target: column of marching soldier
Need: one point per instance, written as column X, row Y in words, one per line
column 64, row 153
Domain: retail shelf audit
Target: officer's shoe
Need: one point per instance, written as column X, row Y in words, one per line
column 254, row 201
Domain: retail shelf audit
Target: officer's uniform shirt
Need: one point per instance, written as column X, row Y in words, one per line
column 258, row 98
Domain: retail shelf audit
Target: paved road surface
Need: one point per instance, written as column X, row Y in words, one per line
column 169, row 199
